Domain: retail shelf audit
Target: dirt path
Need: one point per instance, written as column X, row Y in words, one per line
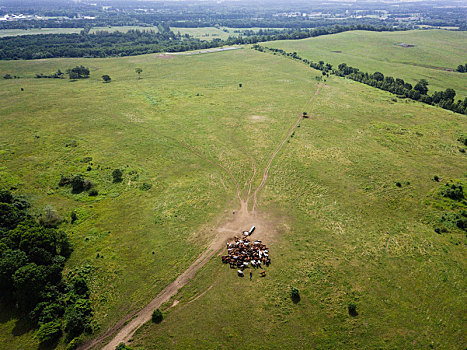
column 128, row 325
column 289, row 133
column 243, row 219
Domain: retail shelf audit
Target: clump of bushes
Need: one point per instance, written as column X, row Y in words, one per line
column 157, row 316
column 453, row 191
column 79, row 72
column 117, row 176
column 57, row 75
column 455, row 219
column 78, row 183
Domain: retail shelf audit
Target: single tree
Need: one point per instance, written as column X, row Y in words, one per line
column 139, row 71
column 421, row 87
column 106, row 78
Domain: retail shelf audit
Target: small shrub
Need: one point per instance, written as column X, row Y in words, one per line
column 145, row 187
column 86, row 160
column 73, row 217
column 157, row 316
column 73, row 143
column 50, row 217
column 352, row 309
column 398, row 184
column 7, row 76
column 117, row 175
column 294, row 294
column 93, row 193
column 89, row 168
column 64, row 181
column 436, row 178
column 122, row 346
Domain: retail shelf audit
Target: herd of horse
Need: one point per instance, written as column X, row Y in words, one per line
column 243, row 253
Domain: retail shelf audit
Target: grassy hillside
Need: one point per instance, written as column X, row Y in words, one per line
column 345, row 233
column 434, row 52
column 171, row 129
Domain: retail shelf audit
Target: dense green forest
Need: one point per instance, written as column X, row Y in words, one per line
column 137, row 42
column 33, row 252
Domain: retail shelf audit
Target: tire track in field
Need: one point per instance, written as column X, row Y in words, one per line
column 253, row 162
column 279, row 147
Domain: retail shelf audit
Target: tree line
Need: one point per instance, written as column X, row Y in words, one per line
column 419, row 92
column 137, row 42
column 33, row 252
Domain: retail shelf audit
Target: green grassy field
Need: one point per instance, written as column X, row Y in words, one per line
column 210, row 33
column 35, row 31
column 345, row 231
column 434, row 51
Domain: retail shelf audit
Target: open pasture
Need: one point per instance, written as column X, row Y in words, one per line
column 342, row 232
column 35, row 31
column 431, row 54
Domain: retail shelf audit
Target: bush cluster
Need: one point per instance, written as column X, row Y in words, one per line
column 77, row 183
column 453, row 191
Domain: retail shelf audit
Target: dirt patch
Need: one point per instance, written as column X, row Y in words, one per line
column 258, row 118
column 174, row 304
column 165, row 57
